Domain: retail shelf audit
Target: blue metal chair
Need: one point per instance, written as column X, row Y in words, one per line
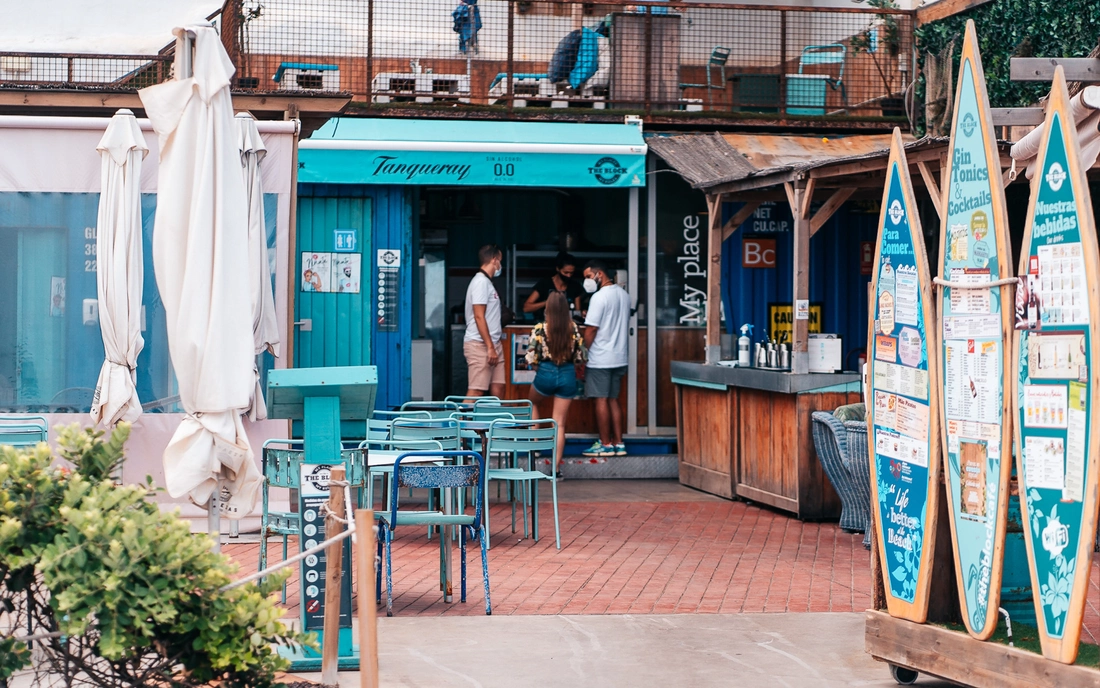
column 282, row 468
column 806, row 92
column 23, row 431
column 466, row 403
column 458, row 478
column 718, row 58
column 524, row 437
column 443, row 430
column 436, row 409
column 366, row 446
column 520, row 409
column 378, row 425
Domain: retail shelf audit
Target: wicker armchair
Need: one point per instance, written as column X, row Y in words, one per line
column 845, row 461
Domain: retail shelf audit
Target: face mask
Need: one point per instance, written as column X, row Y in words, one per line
column 497, row 273
column 590, row 285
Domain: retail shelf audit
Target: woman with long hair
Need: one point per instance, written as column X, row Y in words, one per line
column 555, row 349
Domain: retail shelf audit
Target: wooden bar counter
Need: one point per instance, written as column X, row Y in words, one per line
column 746, row 432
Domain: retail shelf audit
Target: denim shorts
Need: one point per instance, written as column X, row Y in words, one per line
column 553, row 380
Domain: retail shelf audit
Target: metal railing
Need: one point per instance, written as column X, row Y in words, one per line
column 691, row 57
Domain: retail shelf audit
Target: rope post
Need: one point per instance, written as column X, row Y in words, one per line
column 334, row 525
column 368, row 622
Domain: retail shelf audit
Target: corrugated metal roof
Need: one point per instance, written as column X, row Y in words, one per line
column 705, row 163
column 702, row 159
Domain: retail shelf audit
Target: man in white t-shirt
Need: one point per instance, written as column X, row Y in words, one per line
column 605, row 336
column 484, row 355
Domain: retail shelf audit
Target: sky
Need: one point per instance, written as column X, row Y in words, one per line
column 97, row 26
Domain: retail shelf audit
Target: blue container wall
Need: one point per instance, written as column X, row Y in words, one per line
column 391, row 228
column 835, row 279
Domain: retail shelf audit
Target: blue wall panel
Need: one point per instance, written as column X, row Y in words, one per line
column 835, row 279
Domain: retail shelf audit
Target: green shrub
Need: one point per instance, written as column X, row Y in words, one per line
column 133, row 594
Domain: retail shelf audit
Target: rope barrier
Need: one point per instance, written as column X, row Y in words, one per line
column 981, row 285
column 293, row 560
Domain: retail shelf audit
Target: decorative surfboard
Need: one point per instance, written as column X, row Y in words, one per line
column 903, row 418
column 1057, row 318
column 976, row 318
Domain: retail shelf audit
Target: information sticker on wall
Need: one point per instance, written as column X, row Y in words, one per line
column 389, row 267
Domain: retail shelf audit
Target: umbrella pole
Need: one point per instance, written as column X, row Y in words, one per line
column 214, row 517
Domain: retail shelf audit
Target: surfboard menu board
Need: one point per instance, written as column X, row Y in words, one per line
column 973, row 348
column 1056, row 335
column 902, row 416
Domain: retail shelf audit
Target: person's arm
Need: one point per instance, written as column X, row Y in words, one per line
column 589, row 335
column 483, row 330
column 531, row 305
column 577, row 304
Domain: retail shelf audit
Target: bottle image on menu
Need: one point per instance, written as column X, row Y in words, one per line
column 1032, row 305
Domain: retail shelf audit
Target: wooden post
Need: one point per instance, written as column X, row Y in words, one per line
column 800, row 340
column 714, row 280
column 368, row 622
column 334, row 556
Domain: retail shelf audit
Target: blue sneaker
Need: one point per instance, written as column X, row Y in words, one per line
column 620, row 449
column 598, row 449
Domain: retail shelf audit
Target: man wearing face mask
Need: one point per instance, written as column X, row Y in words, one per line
column 562, row 281
column 605, row 336
column 481, row 345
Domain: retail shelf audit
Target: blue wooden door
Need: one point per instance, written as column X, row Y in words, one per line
column 333, row 309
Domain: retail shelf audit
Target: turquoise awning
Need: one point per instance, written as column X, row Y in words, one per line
column 440, row 152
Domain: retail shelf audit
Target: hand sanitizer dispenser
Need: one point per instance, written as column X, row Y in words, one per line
column 744, row 343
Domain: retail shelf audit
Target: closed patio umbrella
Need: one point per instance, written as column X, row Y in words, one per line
column 200, row 243
column 120, row 269
column 265, row 326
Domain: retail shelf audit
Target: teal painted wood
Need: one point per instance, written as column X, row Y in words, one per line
column 385, row 219
column 1055, row 393
column 973, row 354
column 341, row 325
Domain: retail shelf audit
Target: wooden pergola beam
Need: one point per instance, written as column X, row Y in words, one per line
column 739, row 218
column 932, row 186
column 839, row 197
column 714, row 280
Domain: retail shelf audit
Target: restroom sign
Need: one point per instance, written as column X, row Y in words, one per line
column 344, row 240
column 757, row 253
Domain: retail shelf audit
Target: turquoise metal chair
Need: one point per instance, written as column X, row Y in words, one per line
column 718, row 58
column 520, row 409
column 466, row 403
column 378, row 425
column 806, row 92
column 436, row 409
column 524, row 437
column 23, row 431
column 456, row 477
column 282, row 468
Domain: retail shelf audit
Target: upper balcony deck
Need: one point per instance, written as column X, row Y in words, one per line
column 676, row 63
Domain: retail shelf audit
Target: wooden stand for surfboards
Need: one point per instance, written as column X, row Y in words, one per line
column 911, row 649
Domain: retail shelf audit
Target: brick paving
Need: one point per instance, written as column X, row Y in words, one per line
column 681, row 554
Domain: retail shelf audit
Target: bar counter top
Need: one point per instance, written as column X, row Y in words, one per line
column 781, row 381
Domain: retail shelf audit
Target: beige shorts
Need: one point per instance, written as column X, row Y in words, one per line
column 479, row 372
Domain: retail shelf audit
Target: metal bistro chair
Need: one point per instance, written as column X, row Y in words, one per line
column 366, row 446
column 378, row 425
column 444, row 430
column 806, row 92
column 466, row 403
column 282, row 468
column 459, row 478
column 23, row 431
column 718, row 58
column 436, row 409
column 524, row 437
column 520, row 409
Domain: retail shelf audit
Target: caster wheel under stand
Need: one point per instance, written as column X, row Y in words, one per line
column 904, row 677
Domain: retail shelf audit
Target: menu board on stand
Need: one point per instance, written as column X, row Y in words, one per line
column 976, row 314
column 1057, row 319
column 903, row 414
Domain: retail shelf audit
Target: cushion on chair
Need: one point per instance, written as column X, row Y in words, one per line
column 851, row 412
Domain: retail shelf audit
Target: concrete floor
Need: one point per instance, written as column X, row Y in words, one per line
column 700, row 651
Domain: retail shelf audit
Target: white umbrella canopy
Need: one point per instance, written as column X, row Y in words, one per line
column 200, row 240
column 265, row 325
column 120, row 269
